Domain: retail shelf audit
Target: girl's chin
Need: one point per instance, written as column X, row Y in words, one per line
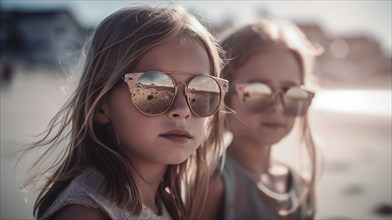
column 177, row 159
column 271, row 141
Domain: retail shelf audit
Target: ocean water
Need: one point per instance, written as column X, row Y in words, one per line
column 353, row 130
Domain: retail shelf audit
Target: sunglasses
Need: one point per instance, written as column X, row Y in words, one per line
column 154, row 92
column 258, row 97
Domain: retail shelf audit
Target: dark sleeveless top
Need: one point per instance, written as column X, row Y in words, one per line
column 243, row 199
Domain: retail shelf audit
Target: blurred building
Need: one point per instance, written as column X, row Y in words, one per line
column 43, row 37
column 349, row 59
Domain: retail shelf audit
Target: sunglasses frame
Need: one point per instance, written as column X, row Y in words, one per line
column 240, row 88
column 132, row 78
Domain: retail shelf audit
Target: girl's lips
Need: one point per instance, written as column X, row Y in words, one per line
column 273, row 124
column 177, row 136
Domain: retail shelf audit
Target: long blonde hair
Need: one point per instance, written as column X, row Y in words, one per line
column 118, row 43
column 256, row 38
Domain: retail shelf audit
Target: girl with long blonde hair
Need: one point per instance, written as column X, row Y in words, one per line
column 142, row 130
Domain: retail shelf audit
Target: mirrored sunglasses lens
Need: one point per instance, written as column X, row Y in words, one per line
column 154, row 93
column 204, row 95
column 296, row 101
column 257, row 97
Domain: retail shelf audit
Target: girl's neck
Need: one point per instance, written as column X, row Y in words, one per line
column 148, row 180
column 254, row 158
column 257, row 161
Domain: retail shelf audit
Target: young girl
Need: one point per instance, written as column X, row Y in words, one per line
column 268, row 69
column 135, row 134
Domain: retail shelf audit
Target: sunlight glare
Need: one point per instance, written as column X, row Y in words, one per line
column 374, row 102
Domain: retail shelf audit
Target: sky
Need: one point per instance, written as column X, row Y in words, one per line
column 337, row 18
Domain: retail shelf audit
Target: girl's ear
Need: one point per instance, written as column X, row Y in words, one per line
column 101, row 114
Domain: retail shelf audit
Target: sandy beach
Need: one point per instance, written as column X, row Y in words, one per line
column 355, row 182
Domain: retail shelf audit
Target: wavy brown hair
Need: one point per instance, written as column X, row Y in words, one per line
column 257, row 38
column 117, row 45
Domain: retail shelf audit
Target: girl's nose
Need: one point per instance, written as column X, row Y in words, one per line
column 277, row 103
column 180, row 108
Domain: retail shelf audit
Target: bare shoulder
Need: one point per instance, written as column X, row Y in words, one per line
column 77, row 212
column 214, row 203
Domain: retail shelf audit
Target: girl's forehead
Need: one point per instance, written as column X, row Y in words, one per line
column 279, row 65
column 184, row 55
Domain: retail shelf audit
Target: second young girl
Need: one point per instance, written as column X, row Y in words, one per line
column 268, row 69
column 136, row 133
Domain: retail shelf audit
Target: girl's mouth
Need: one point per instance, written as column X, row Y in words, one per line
column 273, row 125
column 177, row 136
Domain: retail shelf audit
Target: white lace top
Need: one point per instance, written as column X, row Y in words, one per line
column 84, row 190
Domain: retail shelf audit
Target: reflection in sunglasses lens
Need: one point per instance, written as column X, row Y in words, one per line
column 296, row 101
column 296, row 106
column 297, row 92
column 257, row 97
column 203, row 95
column 154, row 93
